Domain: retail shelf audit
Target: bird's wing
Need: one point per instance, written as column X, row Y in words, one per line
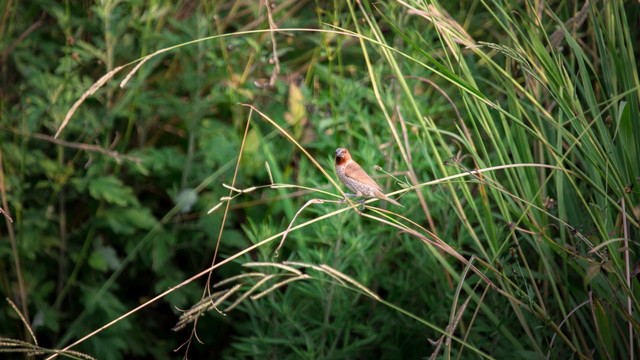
column 354, row 171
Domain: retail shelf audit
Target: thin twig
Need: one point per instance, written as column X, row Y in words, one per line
column 566, row 318
column 628, row 276
column 21, row 37
column 226, row 212
column 470, row 325
column 24, row 321
column 414, row 178
column 286, row 232
column 276, row 59
column 14, row 246
column 85, row 147
column 594, row 317
column 5, row 214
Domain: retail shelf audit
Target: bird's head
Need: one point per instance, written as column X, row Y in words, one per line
column 342, row 156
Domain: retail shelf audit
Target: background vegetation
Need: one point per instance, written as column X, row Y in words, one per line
column 511, row 130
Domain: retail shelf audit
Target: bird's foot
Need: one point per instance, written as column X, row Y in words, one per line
column 345, row 197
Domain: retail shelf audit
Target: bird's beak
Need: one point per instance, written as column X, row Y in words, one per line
column 339, row 152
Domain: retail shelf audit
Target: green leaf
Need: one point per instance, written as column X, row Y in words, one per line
column 162, row 250
column 104, row 258
column 609, row 266
column 592, row 271
column 97, row 262
column 126, row 221
column 604, row 325
column 163, row 161
column 46, row 317
column 112, row 190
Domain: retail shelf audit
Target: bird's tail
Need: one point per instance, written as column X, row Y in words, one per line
column 382, row 196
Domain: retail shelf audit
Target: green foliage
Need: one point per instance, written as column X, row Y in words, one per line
column 532, row 255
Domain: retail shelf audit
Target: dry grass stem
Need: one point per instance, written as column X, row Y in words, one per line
column 97, row 85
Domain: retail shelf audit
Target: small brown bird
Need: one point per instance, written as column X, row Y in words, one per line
column 356, row 179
